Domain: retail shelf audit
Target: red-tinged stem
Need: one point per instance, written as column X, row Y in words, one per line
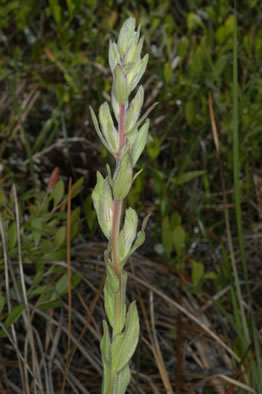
column 117, row 212
column 122, row 134
column 115, row 236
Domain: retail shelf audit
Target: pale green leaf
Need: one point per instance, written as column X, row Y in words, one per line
column 134, row 76
column 106, row 207
column 103, row 203
column 105, row 351
column 120, row 84
column 124, row 344
column 123, row 179
column 126, row 34
column 140, row 143
column 99, row 133
column 113, row 56
column 112, row 278
column 108, row 127
column 122, row 380
column 123, row 292
column 109, row 302
column 143, row 117
column 139, row 239
column 128, row 232
column 134, row 109
column 134, row 50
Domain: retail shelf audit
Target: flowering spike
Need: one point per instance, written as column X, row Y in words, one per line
column 126, row 143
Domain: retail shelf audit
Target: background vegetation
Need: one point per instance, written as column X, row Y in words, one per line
column 53, row 65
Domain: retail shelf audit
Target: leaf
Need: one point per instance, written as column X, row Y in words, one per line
column 109, row 301
column 70, row 6
column 61, row 286
column 2, row 302
column 77, row 187
column 193, row 21
column 123, row 291
column 210, row 275
column 99, row 133
column 126, row 33
column 120, row 84
column 51, row 305
column 179, row 237
column 108, row 128
column 197, row 272
column 134, row 109
column 122, row 380
column 136, row 73
column 58, row 192
column 123, row 179
column 60, row 236
column 3, row 199
column 113, row 56
column 175, row 220
column 140, row 143
column 112, row 278
column 38, row 276
column 153, row 147
column 143, row 117
column 56, row 10
column 128, row 232
column 167, row 236
column 13, row 316
column 103, row 203
column 12, row 235
column 105, row 351
column 167, row 72
column 124, row 344
column 190, row 112
column 36, row 226
column 187, row 177
column 139, row 239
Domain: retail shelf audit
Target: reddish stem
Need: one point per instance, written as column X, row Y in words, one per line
column 117, row 212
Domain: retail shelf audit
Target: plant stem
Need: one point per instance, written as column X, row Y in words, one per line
column 116, row 265
column 117, row 213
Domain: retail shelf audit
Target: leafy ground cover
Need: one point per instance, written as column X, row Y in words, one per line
column 198, row 333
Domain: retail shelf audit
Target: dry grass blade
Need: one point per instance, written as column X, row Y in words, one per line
column 188, row 314
column 224, row 379
column 68, row 260
column 89, row 316
column 12, row 338
column 156, row 349
column 36, row 383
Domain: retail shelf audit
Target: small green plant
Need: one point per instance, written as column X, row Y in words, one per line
column 42, row 238
column 126, row 143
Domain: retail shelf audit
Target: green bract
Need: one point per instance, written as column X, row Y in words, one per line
column 134, row 109
column 126, row 142
column 120, row 84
